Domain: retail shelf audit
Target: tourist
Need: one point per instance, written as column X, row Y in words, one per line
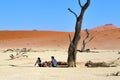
column 53, row 61
column 38, row 62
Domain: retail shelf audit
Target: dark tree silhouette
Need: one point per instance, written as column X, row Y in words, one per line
column 85, row 41
column 72, row 50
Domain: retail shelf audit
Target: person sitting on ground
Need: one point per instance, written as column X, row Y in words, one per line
column 53, row 61
column 45, row 64
column 38, row 62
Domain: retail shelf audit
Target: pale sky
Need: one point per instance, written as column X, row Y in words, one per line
column 53, row 14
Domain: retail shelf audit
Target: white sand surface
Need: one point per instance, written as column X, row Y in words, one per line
column 24, row 69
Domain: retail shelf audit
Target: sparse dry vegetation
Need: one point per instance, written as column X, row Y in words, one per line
column 19, row 53
column 114, row 74
column 18, row 50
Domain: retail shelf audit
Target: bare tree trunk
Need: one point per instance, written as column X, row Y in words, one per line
column 72, row 50
column 84, row 41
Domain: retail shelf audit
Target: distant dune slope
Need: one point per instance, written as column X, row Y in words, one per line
column 104, row 27
column 105, row 37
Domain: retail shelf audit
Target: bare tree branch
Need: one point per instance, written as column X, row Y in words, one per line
column 90, row 39
column 73, row 12
column 80, row 3
column 84, row 41
column 87, row 34
column 86, row 4
column 70, row 38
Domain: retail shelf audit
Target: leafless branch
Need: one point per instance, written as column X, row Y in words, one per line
column 73, row 12
column 87, row 34
column 80, row 3
column 84, row 41
column 90, row 39
column 70, row 38
column 86, row 4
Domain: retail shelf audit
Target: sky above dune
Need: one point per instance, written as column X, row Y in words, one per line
column 53, row 14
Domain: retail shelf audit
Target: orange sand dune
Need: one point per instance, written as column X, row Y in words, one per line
column 32, row 38
column 104, row 27
column 103, row 39
column 107, row 39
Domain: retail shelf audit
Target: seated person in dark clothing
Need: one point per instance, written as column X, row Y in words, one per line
column 38, row 62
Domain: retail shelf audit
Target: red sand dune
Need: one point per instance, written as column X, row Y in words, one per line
column 104, row 27
column 32, row 38
column 105, row 37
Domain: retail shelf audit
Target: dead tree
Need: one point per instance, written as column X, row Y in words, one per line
column 85, row 41
column 72, row 50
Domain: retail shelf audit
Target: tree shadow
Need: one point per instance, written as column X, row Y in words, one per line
column 19, row 66
column 58, row 66
column 62, row 66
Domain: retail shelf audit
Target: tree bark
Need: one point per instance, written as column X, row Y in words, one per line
column 84, row 41
column 72, row 50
